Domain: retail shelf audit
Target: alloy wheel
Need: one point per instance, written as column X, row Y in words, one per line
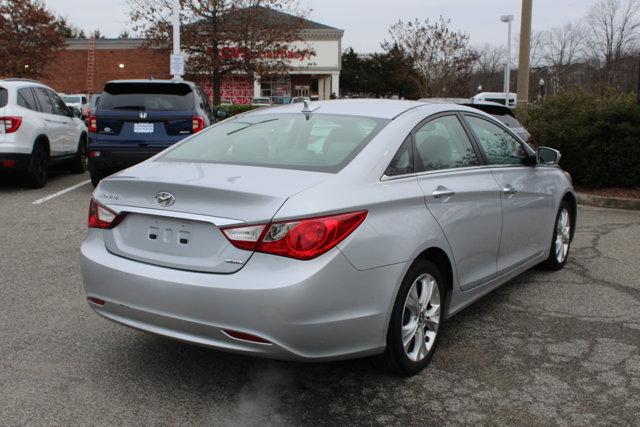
column 563, row 235
column 421, row 317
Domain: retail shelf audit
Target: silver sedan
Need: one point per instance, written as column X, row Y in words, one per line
column 325, row 230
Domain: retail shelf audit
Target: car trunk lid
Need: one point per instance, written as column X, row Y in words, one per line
column 202, row 198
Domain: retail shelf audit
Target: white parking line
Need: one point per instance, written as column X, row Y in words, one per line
column 61, row 192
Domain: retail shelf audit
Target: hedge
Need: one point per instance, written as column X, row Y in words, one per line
column 598, row 135
column 237, row 108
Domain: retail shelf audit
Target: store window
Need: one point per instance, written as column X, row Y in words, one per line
column 276, row 88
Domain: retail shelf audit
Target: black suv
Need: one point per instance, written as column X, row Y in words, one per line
column 136, row 119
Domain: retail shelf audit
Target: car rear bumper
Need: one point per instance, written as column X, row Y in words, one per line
column 315, row 310
column 14, row 162
column 112, row 159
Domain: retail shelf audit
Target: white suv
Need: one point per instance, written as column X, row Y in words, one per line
column 38, row 130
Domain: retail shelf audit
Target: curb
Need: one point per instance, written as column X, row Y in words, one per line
column 608, row 202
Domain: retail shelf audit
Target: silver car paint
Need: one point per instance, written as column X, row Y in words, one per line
column 337, row 305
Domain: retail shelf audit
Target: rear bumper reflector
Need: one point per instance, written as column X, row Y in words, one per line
column 96, row 301
column 243, row 336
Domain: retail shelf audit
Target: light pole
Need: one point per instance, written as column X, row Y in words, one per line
column 507, row 74
column 541, row 88
column 177, row 62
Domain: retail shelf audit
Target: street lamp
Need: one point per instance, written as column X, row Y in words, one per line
column 507, row 74
column 542, row 88
column 479, row 88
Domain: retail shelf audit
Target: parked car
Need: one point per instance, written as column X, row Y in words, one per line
column 261, row 101
column 498, row 97
column 250, row 238
column 499, row 111
column 78, row 101
column 297, row 99
column 38, row 130
column 93, row 104
column 136, row 119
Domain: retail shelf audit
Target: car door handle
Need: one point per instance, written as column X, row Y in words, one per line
column 509, row 190
column 442, row 192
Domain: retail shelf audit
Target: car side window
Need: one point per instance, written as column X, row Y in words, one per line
column 59, row 107
column 26, row 99
column 500, row 147
column 442, row 143
column 205, row 102
column 43, row 99
column 402, row 162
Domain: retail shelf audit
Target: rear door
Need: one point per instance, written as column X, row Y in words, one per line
column 54, row 128
column 65, row 120
column 526, row 193
column 461, row 195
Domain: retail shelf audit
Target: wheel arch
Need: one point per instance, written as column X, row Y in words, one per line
column 440, row 258
column 570, row 198
column 44, row 140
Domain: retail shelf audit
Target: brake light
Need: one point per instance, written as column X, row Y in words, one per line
column 10, row 124
column 93, row 124
column 197, row 124
column 302, row 239
column 102, row 217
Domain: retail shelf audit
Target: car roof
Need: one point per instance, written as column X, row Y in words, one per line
column 17, row 83
column 152, row 81
column 463, row 101
column 379, row 108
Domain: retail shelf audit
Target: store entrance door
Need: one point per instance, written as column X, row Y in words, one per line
column 301, row 90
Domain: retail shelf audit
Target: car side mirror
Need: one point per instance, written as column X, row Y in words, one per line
column 75, row 112
column 221, row 113
column 547, row 156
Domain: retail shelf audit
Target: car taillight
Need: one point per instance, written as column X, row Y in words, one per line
column 102, row 217
column 197, row 124
column 302, row 239
column 9, row 124
column 93, row 124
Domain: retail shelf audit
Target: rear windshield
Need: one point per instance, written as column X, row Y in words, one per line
column 501, row 113
column 71, row 99
column 508, row 120
column 324, row 143
column 3, row 97
column 147, row 97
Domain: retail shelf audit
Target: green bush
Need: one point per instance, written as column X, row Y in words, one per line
column 237, row 108
column 598, row 135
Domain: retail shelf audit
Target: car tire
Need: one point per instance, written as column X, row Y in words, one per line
column 421, row 313
column 38, row 170
column 96, row 177
column 79, row 162
column 561, row 241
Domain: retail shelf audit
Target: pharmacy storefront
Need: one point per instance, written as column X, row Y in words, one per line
column 317, row 76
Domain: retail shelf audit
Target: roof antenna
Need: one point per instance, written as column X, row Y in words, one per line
column 306, row 110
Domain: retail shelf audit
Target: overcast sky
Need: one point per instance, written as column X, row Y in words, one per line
column 365, row 21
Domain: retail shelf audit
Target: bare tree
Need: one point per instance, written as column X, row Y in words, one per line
column 490, row 59
column 615, row 26
column 31, row 37
column 561, row 48
column 442, row 57
column 220, row 37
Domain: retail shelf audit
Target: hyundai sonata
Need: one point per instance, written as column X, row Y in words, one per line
column 325, row 230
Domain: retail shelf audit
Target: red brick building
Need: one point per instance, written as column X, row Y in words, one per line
column 85, row 65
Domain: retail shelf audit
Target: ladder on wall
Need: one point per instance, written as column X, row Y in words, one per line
column 91, row 59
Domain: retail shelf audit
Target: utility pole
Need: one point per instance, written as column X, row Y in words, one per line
column 525, row 52
column 638, row 77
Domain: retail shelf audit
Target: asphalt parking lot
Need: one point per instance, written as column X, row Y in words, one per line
column 547, row 348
